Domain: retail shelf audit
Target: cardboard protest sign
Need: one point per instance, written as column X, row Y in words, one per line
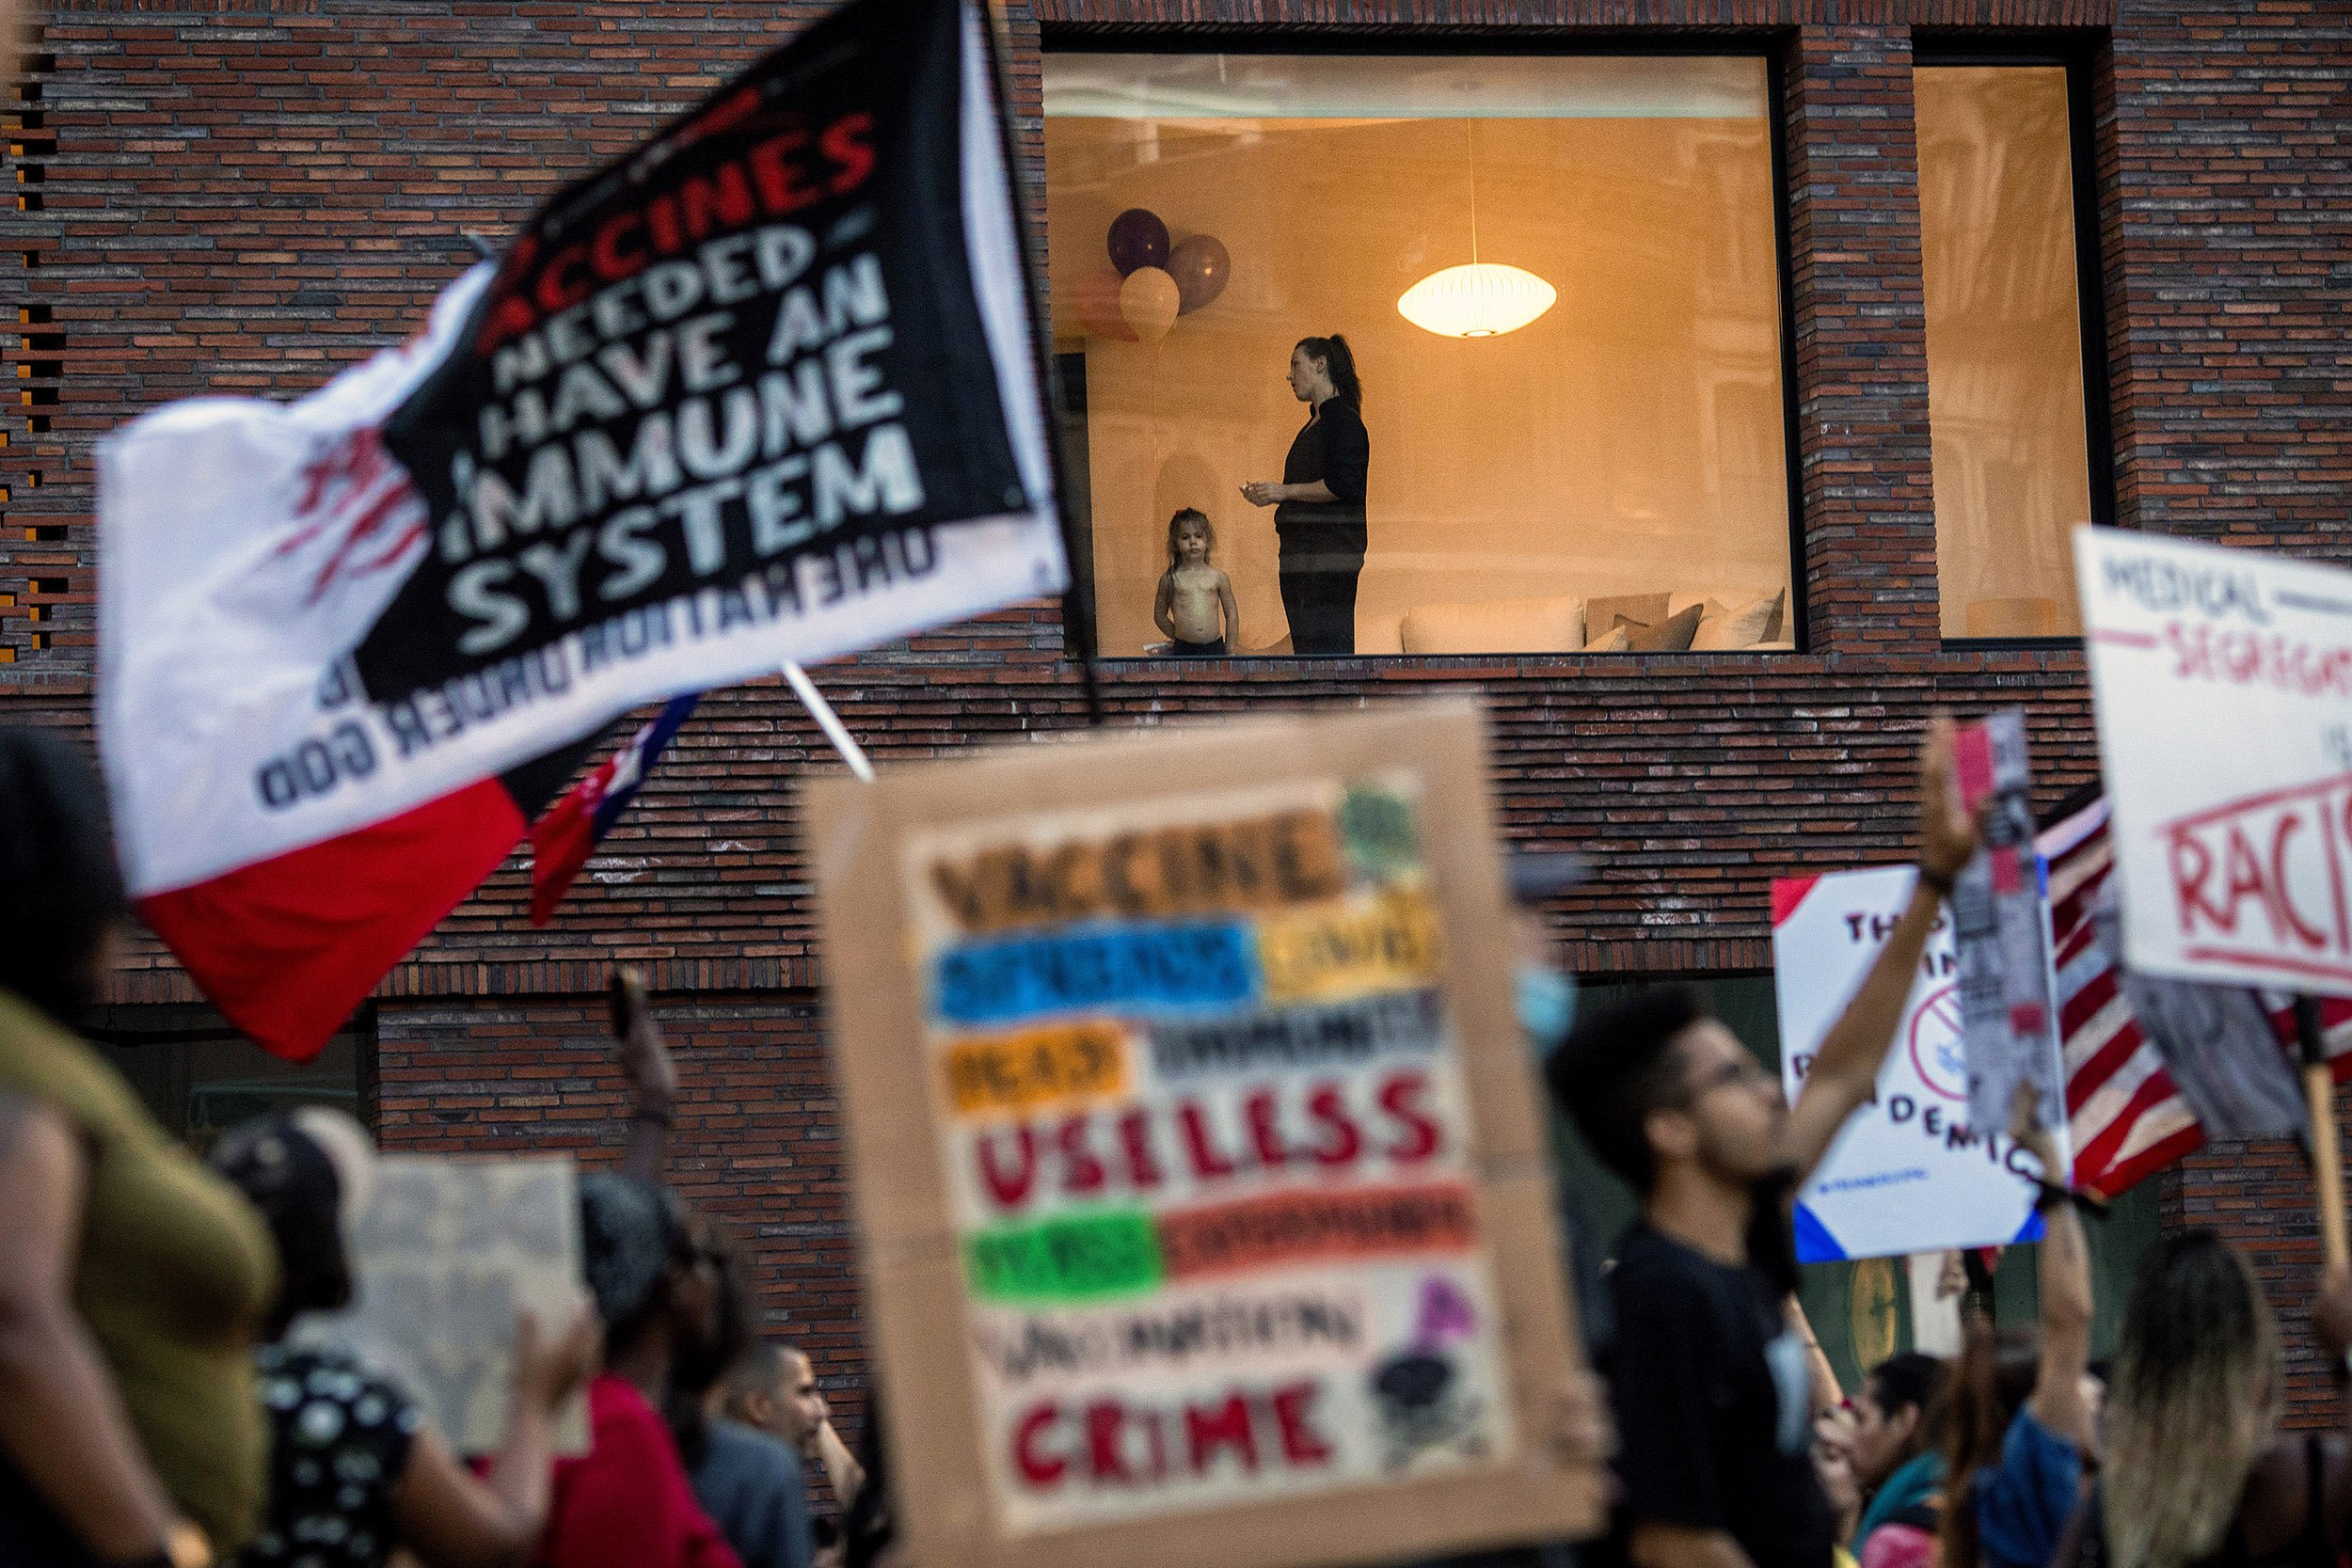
column 2001, row 914
column 1911, row 1172
column 445, row 1254
column 1205, row 1206
column 2223, row 679
column 764, row 389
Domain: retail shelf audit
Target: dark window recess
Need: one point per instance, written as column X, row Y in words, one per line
column 200, row 1076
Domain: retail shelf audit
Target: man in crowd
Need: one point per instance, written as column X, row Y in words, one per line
column 774, row 1389
column 1708, row 1384
column 777, row 1420
column 751, row 1479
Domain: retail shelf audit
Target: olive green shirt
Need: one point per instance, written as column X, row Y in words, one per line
column 174, row 1274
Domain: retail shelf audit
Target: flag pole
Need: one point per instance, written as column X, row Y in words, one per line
column 828, row 721
column 2319, row 1091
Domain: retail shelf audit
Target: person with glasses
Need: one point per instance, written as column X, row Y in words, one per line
column 1708, row 1382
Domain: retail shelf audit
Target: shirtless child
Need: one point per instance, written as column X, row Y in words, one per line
column 1194, row 595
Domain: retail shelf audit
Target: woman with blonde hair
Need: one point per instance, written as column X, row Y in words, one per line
column 2196, row 1472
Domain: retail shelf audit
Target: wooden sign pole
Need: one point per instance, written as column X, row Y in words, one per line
column 2319, row 1091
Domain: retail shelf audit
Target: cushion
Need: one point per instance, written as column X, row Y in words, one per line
column 1742, row 627
column 1555, row 625
column 1669, row 636
column 1709, row 600
column 1611, row 641
column 1644, row 608
column 1720, row 601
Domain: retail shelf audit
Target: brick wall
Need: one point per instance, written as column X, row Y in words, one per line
column 223, row 196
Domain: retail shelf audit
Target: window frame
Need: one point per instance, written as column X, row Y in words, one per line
column 2077, row 52
column 168, row 1029
column 1770, row 45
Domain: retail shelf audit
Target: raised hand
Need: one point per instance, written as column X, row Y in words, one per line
column 645, row 1058
column 1948, row 829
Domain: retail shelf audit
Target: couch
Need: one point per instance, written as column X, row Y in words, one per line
column 1728, row 619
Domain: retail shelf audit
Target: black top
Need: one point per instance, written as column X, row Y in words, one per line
column 1710, row 1391
column 339, row 1439
column 755, row 1490
column 2310, row 1547
column 1336, row 449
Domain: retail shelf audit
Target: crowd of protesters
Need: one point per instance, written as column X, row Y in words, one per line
column 154, row 1409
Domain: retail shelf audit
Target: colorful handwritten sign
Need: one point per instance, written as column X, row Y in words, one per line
column 1196, row 1150
column 1239, row 1085
column 2224, row 686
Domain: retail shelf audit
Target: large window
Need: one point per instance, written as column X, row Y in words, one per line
column 1610, row 474
column 2007, row 405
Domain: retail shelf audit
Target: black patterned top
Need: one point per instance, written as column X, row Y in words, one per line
column 338, row 1441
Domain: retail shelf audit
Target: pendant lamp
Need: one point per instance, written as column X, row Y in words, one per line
column 1482, row 299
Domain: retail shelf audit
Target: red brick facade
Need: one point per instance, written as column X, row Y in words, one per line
column 222, row 196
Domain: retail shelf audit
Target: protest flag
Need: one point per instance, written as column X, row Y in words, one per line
column 562, row 841
column 766, row 390
column 286, row 947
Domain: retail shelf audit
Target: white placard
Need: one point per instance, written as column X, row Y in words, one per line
column 446, row 1254
column 2224, row 686
column 1908, row 1174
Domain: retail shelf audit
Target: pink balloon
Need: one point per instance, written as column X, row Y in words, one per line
column 1150, row 303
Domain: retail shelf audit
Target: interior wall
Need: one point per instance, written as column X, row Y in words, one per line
column 1630, row 440
column 2004, row 336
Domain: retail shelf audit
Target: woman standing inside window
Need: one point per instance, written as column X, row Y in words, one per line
column 1319, row 505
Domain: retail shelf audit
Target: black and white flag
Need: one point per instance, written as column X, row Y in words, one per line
column 765, row 389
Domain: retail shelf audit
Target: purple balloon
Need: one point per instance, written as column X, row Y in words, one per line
column 1138, row 239
column 1201, row 269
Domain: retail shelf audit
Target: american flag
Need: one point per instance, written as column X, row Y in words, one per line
column 2127, row 1118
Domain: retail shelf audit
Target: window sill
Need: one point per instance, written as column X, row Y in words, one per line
column 1258, row 660
column 2012, row 644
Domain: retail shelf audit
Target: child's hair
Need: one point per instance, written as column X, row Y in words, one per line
column 1184, row 514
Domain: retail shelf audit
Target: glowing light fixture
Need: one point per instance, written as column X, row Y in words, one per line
column 1481, row 299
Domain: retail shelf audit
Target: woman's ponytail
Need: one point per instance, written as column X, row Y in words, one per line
column 1341, row 361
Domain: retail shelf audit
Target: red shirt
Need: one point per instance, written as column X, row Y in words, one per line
column 626, row 1503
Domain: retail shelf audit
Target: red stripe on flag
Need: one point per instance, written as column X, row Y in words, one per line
column 2154, row 1090
column 287, row 947
column 2121, row 1178
column 2088, row 1003
column 560, row 842
column 2121, row 1046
